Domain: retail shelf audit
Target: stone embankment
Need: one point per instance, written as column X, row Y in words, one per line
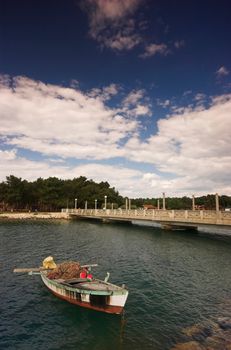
column 210, row 335
column 34, row 216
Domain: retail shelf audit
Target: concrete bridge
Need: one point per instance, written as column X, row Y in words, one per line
column 211, row 221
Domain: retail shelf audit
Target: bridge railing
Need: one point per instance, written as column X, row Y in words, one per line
column 193, row 216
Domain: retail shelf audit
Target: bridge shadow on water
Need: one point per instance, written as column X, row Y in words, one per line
column 177, row 232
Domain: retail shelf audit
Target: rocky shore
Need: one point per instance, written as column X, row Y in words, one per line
column 210, row 335
column 34, row 216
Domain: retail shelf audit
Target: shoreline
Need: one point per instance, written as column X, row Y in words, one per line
column 35, row 216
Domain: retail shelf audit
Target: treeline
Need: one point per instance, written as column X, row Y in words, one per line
column 207, row 202
column 53, row 194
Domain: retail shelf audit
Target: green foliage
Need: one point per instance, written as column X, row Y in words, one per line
column 52, row 194
column 208, row 202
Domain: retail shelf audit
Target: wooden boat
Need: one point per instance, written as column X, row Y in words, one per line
column 93, row 294
column 84, row 290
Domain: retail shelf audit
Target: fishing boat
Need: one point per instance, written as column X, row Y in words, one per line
column 74, row 283
column 92, row 294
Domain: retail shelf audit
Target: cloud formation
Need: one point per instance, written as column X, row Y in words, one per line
column 153, row 49
column 112, row 24
column 136, row 104
column 189, row 152
column 222, row 72
column 120, row 177
column 62, row 121
column 193, row 146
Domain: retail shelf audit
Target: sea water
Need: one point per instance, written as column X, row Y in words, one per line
column 175, row 279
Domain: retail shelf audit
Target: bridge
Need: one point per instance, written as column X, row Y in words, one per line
column 211, row 221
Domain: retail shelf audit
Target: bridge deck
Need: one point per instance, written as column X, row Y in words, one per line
column 174, row 217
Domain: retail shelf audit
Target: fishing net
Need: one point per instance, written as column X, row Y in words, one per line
column 66, row 270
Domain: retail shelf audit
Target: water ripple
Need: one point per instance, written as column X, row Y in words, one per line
column 174, row 280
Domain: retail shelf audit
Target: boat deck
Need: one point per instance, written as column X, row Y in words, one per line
column 94, row 285
column 84, row 283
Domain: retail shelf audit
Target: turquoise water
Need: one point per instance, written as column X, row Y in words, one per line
column 175, row 279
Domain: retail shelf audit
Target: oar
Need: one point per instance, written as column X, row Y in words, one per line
column 89, row 265
column 32, row 269
column 38, row 269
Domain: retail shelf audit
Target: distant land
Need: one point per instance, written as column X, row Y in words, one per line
column 53, row 194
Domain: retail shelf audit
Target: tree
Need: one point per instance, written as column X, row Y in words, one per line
column 52, row 194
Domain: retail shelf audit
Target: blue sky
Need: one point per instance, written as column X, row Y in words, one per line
column 133, row 92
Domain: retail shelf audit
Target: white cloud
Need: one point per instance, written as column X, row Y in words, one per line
column 193, row 146
column 133, row 97
column 115, row 24
column 120, row 177
column 136, row 104
column 27, row 169
column 199, row 97
column 190, row 149
column 141, row 110
column 164, row 104
column 153, row 49
column 129, row 181
column 8, row 155
column 112, row 10
column 122, row 41
column 74, row 84
column 61, row 121
column 222, row 72
column 186, row 93
column 111, row 22
column 105, row 93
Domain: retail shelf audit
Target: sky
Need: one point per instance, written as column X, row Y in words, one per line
column 133, row 92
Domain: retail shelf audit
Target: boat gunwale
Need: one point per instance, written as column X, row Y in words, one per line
column 119, row 291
